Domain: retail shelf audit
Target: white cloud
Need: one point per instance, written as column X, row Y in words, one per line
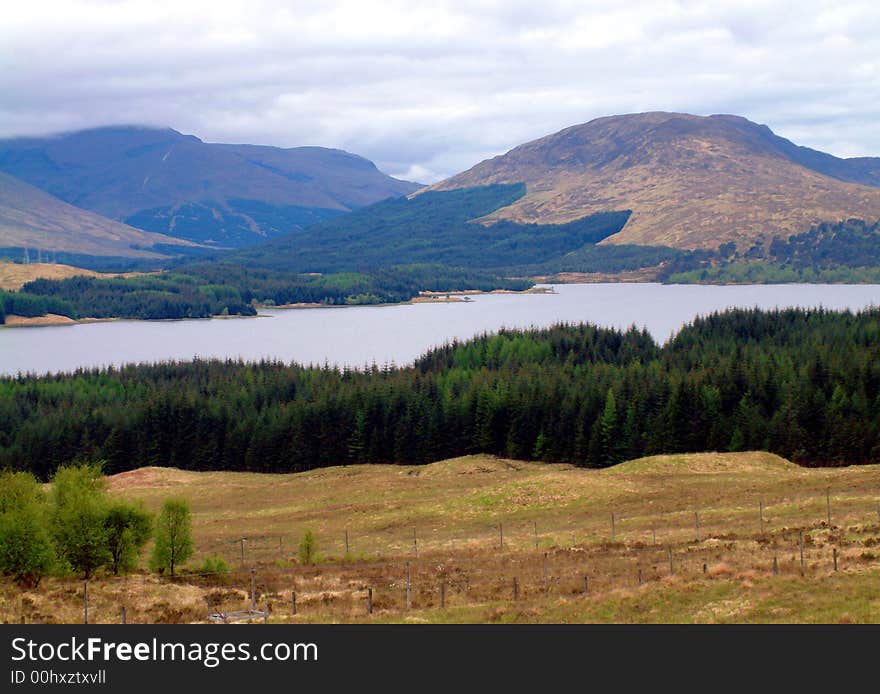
column 426, row 89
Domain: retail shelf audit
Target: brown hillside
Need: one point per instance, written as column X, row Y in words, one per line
column 31, row 218
column 691, row 181
column 14, row 275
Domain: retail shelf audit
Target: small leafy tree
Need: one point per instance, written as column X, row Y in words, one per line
column 128, row 528
column 308, row 548
column 26, row 550
column 18, row 490
column 174, row 543
column 79, row 507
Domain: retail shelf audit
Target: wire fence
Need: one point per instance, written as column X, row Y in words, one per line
column 398, row 573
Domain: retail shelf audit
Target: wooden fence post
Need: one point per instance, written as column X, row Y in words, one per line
column 293, row 602
column 515, row 589
column 835, row 558
column 500, row 536
column 828, row 506
column 613, row 530
column 123, row 614
column 801, row 542
column 241, row 544
column 775, row 566
column 408, row 588
column 415, row 543
column 347, row 549
column 443, row 594
column 544, row 570
column 586, row 585
column 536, row 534
column 761, row 511
column 669, row 552
column 641, row 581
column 369, row 601
column 253, row 590
column 697, row 524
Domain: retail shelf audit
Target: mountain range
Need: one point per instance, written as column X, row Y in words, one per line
column 221, row 195
column 649, row 181
column 690, row 181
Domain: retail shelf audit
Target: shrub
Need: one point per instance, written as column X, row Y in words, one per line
column 213, row 566
column 308, row 549
column 26, row 550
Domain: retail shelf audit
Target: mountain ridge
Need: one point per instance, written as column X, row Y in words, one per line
column 161, row 180
column 31, row 218
column 691, row 181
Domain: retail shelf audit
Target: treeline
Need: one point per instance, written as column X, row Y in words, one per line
column 210, row 289
column 846, row 251
column 611, row 258
column 167, row 295
column 31, row 305
column 435, row 227
column 803, row 384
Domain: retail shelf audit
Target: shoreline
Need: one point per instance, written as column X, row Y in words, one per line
column 50, row 319
column 424, row 297
column 54, row 320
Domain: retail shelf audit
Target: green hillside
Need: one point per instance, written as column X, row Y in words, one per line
column 433, row 227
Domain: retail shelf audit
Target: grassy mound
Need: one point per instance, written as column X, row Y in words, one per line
column 707, row 463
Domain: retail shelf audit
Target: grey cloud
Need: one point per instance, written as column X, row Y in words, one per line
column 428, row 89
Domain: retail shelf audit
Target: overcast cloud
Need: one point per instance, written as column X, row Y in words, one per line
column 426, row 89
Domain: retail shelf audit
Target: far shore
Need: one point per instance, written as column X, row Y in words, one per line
column 13, row 321
column 52, row 319
column 424, row 297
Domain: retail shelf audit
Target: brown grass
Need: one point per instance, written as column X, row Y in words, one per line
column 695, row 189
column 456, row 508
column 14, row 275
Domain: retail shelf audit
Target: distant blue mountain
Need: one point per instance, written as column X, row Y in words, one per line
column 162, row 181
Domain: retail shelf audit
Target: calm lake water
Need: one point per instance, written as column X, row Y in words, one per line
column 358, row 336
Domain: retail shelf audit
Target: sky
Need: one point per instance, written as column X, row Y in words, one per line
column 428, row 89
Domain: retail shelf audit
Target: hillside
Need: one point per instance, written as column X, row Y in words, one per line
column 31, row 218
column 221, row 194
column 14, row 275
column 468, row 527
column 430, row 228
column 690, row 181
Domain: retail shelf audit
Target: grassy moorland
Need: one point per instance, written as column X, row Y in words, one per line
column 556, row 527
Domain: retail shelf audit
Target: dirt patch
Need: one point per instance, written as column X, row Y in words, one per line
column 146, row 477
column 14, row 321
